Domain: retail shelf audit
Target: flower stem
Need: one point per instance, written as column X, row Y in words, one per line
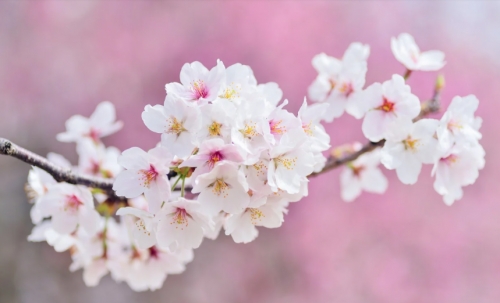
column 182, row 186
column 407, row 74
column 176, row 181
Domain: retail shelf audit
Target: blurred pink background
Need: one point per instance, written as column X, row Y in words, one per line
column 59, row 58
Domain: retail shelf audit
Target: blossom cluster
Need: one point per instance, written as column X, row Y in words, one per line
column 67, row 218
column 390, row 112
column 231, row 139
column 230, row 157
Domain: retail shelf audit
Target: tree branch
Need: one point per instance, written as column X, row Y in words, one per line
column 60, row 174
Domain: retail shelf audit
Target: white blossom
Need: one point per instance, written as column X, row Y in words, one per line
column 383, row 104
column 69, row 206
column 458, row 123
column 224, row 188
column 362, row 174
column 100, row 124
column 457, row 168
column 408, row 53
column 145, row 173
column 339, row 80
column 409, row 146
column 198, row 84
column 182, row 225
column 242, row 226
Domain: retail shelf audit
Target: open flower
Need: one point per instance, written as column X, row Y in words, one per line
column 181, row 225
column 145, row 173
column 457, row 168
column 362, row 174
column 458, row 123
column 242, row 226
column 408, row 146
column 290, row 163
column 100, row 124
column 407, row 52
column 143, row 227
column 212, row 152
column 198, row 84
column 97, row 160
column 176, row 121
column 70, row 206
column 224, row 188
column 382, row 105
column 338, row 80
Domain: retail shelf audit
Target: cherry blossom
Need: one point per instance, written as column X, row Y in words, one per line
column 182, row 225
column 338, row 80
column 143, row 227
column 317, row 138
column 408, row 146
column 97, row 160
column 457, row 168
column 100, row 124
column 216, row 122
column 280, row 122
column 362, row 174
column 144, row 173
column 290, row 163
column 408, row 53
column 177, row 122
column 224, row 188
column 458, row 123
column 198, row 84
column 238, row 83
column 69, row 206
column 241, row 158
column 242, row 226
column 382, row 105
column 210, row 153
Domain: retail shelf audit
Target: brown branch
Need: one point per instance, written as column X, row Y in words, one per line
column 60, row 174
column 429, row 107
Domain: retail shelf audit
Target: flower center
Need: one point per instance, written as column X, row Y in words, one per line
column 276, row 127
column 454, row 125
column 219, row 187
column 154, row 253
column 255, row 215
column 261, row 168
column 356, row 170
column 451, row 159
column 94, row 134
column 72, row 204
column 249, row 131
column 180, row 217
column 147, row 176
column 346, row 89
column 287, row 162
column 410, row 143
column 214, row 129
column 308, row 129
column 175, row 126
column 229, row 93
column 387, row 106
column 214, row 158
column 199, row 90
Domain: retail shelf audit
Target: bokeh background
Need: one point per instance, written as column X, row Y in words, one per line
column 59, row 58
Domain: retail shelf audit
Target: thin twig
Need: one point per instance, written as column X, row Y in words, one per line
column 60, row 174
